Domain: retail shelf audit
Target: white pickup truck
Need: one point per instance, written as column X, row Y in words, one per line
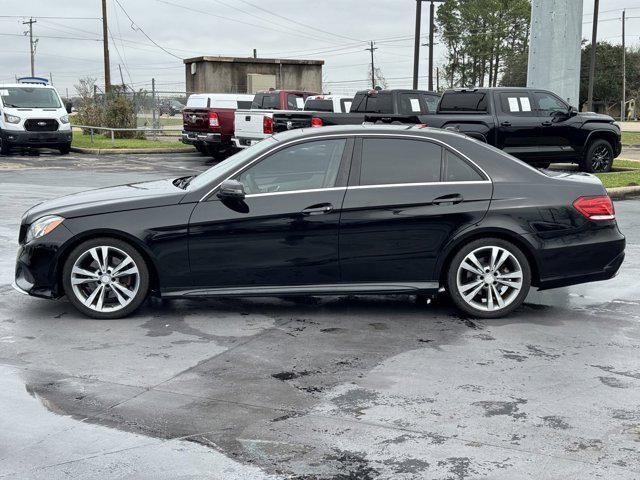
column 252, row 126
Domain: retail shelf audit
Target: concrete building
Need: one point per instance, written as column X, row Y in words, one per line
column 248, row 75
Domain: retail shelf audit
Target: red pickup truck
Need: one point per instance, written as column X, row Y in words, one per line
column 208, row 121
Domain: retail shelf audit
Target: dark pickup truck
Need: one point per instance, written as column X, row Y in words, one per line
column 534, row 125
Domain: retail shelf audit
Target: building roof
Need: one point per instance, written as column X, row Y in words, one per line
column 284, row 61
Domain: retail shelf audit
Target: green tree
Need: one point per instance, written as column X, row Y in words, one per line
column 481, row 37
column 607, row 86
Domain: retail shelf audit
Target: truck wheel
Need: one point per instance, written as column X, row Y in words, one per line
column 598, row 157
column 489, row 278
column 65, row 149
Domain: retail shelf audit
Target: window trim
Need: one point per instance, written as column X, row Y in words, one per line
column 353, row 164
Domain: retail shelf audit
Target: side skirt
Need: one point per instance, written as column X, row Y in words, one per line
column 326, row 289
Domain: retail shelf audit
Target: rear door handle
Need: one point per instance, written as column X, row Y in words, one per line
column 546, row 124
column 320, row 209
column 451, row 199
column 505, row 124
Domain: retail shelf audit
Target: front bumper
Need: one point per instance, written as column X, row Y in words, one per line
column 20, row 138
column 38, row 264
column 193, row 138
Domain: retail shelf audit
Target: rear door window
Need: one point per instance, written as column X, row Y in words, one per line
column 295, row 101
column 458, row 170
column 516, row 103
column 396, row 160
column 409, row 103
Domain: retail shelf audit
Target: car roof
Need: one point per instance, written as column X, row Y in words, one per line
column 25, row 85
column 427, row 132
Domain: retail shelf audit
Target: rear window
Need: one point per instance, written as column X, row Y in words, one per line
column 244, row 103
column 295, row 101
column 319, row 105
column 197, row 102
column 393, row 160
column 268, row 101
column 373, row 103
column 464, row 102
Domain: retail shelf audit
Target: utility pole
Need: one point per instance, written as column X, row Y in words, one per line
column 592, row 65
column 255, row 53
column 105, row 47
column 373, row 68
column 32, row 44
column 416, row 46
column 431, row 22
column 623, row 106
column 153, row 102
column 437, row 79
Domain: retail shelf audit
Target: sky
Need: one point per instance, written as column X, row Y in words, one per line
column 149, row 38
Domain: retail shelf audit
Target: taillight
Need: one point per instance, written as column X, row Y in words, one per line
column 267, row 124
column 213, row 119
column 316, row 122
column 596, row 208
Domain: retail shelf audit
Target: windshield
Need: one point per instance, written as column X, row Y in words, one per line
column 230, row 164
column 29, row 97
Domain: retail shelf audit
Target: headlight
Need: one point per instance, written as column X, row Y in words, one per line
column 42, row 227
column 11, row 118
column 64, row 119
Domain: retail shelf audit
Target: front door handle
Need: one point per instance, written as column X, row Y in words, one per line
column 451, row 199
column 320, row 209
column 506, row 124
column 546, row 124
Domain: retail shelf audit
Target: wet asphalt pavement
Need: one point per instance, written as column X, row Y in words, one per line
column 332, row 388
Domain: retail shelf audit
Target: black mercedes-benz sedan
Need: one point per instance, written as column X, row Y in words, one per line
column 338, row 210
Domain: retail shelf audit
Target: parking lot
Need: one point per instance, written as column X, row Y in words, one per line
column 318, row 388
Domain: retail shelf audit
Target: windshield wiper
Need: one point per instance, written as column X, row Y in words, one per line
column 183, row 182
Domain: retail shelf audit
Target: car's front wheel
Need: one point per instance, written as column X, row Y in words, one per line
column 105, row 278
column 489, row 278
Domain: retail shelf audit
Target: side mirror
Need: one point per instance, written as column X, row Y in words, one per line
column 573, row 111
column 231, row 190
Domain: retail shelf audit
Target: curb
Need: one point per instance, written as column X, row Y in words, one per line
column 631, row 145
column 622, row 193
column 105, row 151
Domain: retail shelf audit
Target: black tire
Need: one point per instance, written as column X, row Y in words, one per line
column 598, row 157
column 142, row 286
column 514, row 302
column 5, row 149
column 201, row 148
column 65, row 149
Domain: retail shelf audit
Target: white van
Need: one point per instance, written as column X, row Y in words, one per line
column 32, row 115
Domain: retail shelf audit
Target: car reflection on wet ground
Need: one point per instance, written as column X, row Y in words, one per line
column 338, row 387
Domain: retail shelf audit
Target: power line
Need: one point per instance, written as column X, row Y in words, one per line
column 134, row 26
column 300, row 23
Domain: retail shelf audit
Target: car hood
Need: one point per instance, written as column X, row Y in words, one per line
column 108, row 200
column 598, row 117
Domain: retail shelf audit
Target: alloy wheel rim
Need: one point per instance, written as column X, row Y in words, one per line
column 489, row 278
column 105, row 278
column 601, row 158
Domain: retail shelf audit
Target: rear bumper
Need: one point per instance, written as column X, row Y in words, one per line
column 244, row 142
column 15, row 138
column 194, row 138
column 571, row 260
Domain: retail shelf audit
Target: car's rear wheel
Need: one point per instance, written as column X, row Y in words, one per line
column 598, row 157
column 5, row 148
column 489, row 278
column 105, row 278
